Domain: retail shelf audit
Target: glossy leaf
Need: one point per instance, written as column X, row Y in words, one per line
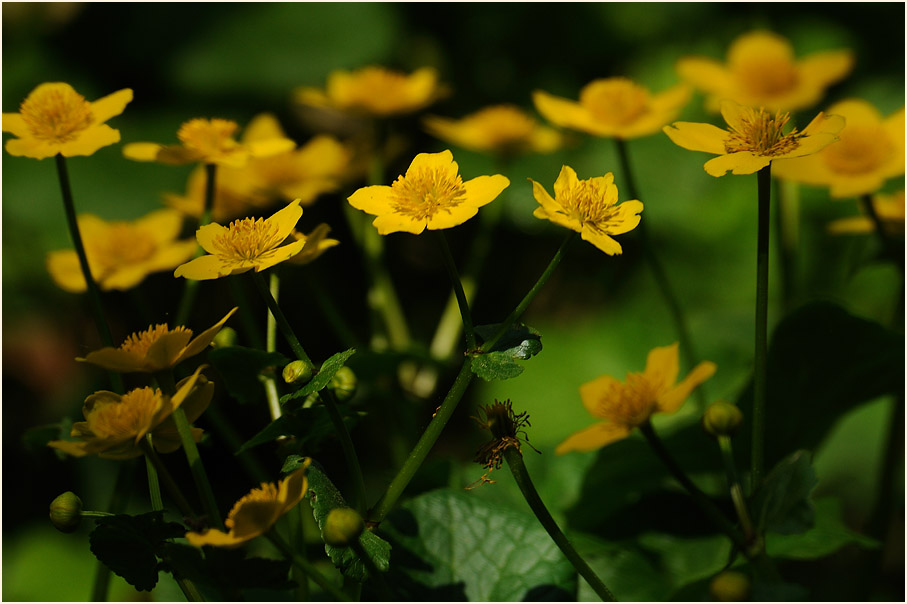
column 518, row 343
column 783, row 504
column 321, row 379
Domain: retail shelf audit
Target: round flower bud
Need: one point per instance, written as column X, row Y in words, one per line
column 225, row 337
column 730, row 586
column 298, row 371
column 66, row 512
column 342, row 527
column 344, row 384
column 722, row 419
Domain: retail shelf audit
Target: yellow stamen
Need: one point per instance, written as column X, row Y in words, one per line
column 140, row 342
column 247, row 239
column 762, row 134
column 126, row 418
column 632, row 403
column 56, row 112
column 586, row 202
column 424, row 192
column 209, row 137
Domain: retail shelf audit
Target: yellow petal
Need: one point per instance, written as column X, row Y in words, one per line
column 662, row 367
column 566, row 180
column 162, row 225
column 484, row 189
column 115, row 359
column 697, row 136
column 216, row 538
column 141, row 151
column 627, row 217
column 65, row 270
column 113, row 104
column 450, row 217
column 375, row 199
column 274, row 146
column 31, row 147
column 594, row 437
column 743, row 162
column 164, row 352
column 597, row 393
column 704, row 73
column 558, row 110
column 395, row 223
column 263, row 126
column 442, row 162
column 600, row 240
column 286, row 219
column 203, row 267
column 254, row 517
column 278, row 255
column 204, row 339
column 670, row 401
column 13, row 122
column 206, row 235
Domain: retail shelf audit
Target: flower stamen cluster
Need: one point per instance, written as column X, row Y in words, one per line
column 247, row 239
column 761, row 132
column 424, row 192
column 56, row 113
column 209, row 137
column 139, row 342
column 508, row 430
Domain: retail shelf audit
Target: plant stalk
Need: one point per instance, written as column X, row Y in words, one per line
column 305, row 566
column 458, row 292
column 760, row 372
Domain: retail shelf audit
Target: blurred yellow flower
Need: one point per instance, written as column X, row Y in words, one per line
column 628, row 405
column 588, row 207
column 155, row 349
column 115, row 423
column 431, row 195
column 614, row 107
column 316, row 243
column 375, row 91
column 244, row 245
column 502, row 129
column 210, row 142
column 889, row 209
column 754, row 138
column 761, row 71
column 122, row 253
column 256, row 512
column 54, row 118
column 870, row 151
column 233, row 195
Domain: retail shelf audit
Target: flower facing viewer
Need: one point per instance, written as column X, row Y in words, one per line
column 244, row 245
column 54, row 118
column 122, row 253
column 628, row 405
column 613, row 107
column 256, row 512
column 753, row 139
column 588, row 207
column 502, row 129
column 155, row 349
column 431, row 195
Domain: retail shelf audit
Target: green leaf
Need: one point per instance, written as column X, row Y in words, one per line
column 499, row 363
column 227, row 570
column 36, row 438
column 454, row 546
column 782, row 504
column 630, row 573
column 240, row 368
column 325, row 497
column 321, row 379
column 308, row 425
column 130, row 545
column 828, row 535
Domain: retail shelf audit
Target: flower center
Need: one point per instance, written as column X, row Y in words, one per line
column 631, row 403
column 616, row 101
column 374, row 86
column 122, row 245
column 208, row 137
column 140, row 342
column 247, row 239
column 127, row 418
column 56, row 112
column 425, row 191
column 861, row 149
column 586, row 201
column 761, row 133
column 504, row 125
column 767, row 74
column 267, row 493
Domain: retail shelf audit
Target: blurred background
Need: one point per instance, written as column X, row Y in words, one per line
column 597, row 315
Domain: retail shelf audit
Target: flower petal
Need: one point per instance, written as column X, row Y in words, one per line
column 560, row 111
column 395, row 223
column 204, row 267
column 670, row 401
column 14, row 123
column 216, row 538
column 111, row 105
column 286, row 219
column 743, row 162
column 662, row 367
column 374, row 200
column 442, row 162
column 601, row 240
column 594, row 437
column 697, row 136
column 484, row 189
column 141, row 151
column 65, row 270
column 206, row 234
column 450, row 217
column 115, row 359
column 278, row 255
column 204, row 339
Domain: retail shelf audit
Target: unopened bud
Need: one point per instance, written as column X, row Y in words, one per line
column 342, row 527
column 730, row 586
column 225, row 337
column 66, row 512
column 722, row 419
column 344, row 384
column 297, row 371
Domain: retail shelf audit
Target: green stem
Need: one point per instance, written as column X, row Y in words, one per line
column 888, row 248
column 727, row 456
column 173, row 489
column 524, row 482
column 191, row 287
column 458, row 292
column 118, row 501
column 305, row 566
column 376, row 575
column 760, row 377
column 282, row 323
column 524, row 303
column 250, row 325
column 787, row 222
column 426, row 442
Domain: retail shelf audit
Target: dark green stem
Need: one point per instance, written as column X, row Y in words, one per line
column 305, row 566
column 191, row 287
column 282, row 324
column 760, row 377
column 524, row 482
column 172, row 488
column 730, row 469
column 458, row 291
column 118, row 501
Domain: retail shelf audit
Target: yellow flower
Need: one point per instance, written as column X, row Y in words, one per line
column 431, row 195
column 614, row 107
column 754, row 138
column 588, row 207
column 889, row 209
column 761, row 71
column 503, row 129
column 233, row 195
column 256, row 512
column 115, row 423
column 375, row 91
column 154, row 349
column 121, row 253
column 54, row 118
column 870, row 151
column 316, row 243
column 244, row 245
column 207, row 141
column 625, row 406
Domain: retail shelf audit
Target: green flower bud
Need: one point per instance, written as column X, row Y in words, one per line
column 342, row 527
column 722, row 419
column 298, row 371
column 225, row 337
column 66, row 512
column 344, row 384
column 730, row 586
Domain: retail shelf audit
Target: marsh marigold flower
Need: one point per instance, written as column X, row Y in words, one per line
column 753, row 139
column 115, row 423
column 256, row 512
column 54, row 118
column 761, row 71
column 889, row 209
column 375, row 91
column 431, row 195
column 209, row 141
column 250, row 243
column 502, row 129
column 316, row 243
column 588, row 207
column 870, row 151
column 154, row 349
column 122, row 253
column 613, row 107
column 628, row 405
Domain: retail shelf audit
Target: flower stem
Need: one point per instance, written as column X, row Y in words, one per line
column 191, row 287
column 458, row 291
column 426, row 442
column 305, row 566
column 760, row 377
column 118, row 500
column 888, row 248
column 282, row 323
column 727, row 456
column 173, row 489
column 527, row 299
column 515, row 461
